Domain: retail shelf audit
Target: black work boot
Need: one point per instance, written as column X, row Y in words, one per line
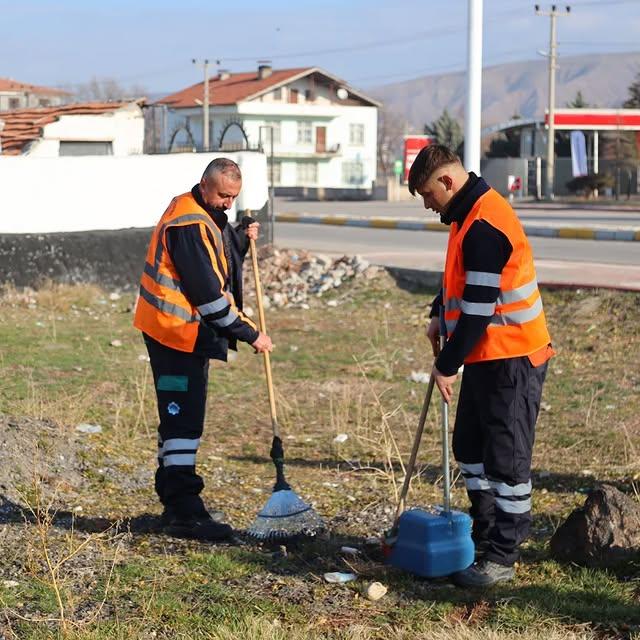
column 484, row 573
column 170, row 514
column 201, row 527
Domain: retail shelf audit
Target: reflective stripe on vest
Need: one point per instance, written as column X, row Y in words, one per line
column 160, row 278
column 167, row 307
column 499, row 317
column 188, row 217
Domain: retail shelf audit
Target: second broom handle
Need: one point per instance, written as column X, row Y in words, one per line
column 414, row 452
column 446, row 476
column 263, row 328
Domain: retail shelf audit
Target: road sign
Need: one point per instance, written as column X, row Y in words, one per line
column 514, row 183
column 412, row 146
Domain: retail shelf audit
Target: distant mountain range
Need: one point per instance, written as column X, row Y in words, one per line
column 515, row 88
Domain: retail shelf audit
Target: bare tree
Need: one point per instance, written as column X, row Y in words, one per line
column 106, row 90
column 391, row 128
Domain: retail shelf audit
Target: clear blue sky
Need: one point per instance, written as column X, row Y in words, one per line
column 151, row 43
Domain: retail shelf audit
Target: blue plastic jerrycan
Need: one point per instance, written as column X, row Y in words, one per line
column 433, row 545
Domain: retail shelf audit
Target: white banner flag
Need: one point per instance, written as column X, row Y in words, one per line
column 578, row 154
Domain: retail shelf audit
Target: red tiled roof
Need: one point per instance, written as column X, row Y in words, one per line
column 237, row 87
column 7, row 84
column 22, row 126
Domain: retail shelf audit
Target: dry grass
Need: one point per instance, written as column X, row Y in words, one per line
column 347, row 374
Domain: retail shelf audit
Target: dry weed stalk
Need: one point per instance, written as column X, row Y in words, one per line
column 61, row 407
column 130, row 415
column 289, row 413
column 141, row 383
column 595, row 394
column 49, row 561
column 384, row 440
column 55, row 298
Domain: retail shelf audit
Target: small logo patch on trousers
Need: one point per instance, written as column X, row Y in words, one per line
column 173, row 408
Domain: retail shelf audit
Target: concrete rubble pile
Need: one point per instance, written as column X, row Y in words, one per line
column 292, row 278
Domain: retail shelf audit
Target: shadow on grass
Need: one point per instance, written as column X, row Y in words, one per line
column 553, row 482
column 10, row 512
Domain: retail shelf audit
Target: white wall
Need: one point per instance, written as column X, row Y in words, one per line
column 124, row 128
column 42, row 195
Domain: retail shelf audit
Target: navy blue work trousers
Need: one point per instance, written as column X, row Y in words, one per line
column 180, row 380
column 493, row 442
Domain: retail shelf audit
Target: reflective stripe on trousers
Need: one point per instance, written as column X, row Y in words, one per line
column 508, row 498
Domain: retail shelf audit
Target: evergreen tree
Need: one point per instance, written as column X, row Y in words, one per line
column 578, row 102
column 633, row 101
column 446, row 130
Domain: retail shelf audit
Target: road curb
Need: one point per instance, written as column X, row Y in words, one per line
column 429, row 280
column 572, row 233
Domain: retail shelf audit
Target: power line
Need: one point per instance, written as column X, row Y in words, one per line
column 361, row 47
column 456, row 67
column 431, row 71
column 603, row 3
column 598, row 43
column 142, row 74
column 397, row 41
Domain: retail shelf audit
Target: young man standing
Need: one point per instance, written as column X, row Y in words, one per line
column 491, row 310
column 190, row 310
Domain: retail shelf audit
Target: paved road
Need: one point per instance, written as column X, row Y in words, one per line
column 558, row 261
column 530, row 213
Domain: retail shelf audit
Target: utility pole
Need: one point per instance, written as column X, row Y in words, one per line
column 553, row 13
column 205, row 104
column 473, row 108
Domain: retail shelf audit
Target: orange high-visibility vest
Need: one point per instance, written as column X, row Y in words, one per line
column 163, row 311
column 518, row 326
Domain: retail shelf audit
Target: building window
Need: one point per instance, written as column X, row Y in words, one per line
column 309, row 95
column 277, row 173
column 44, row 102
column 356, row 135
column 277, row 93
column 353, row 173
column 305, row 133
column 293, row 96
column 14, row 103
column 85, row 148
column 306, row 173
column 266, row 134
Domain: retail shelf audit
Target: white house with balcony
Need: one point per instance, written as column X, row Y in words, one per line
column 324, row 131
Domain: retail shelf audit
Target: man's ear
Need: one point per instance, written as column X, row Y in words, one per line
column 446, row 181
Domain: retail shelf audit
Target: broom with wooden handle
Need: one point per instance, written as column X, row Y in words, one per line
column 285, row 515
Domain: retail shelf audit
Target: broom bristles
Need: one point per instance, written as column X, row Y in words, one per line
column 285, row 515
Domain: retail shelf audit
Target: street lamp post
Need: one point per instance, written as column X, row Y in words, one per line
column 205, row 105
column 473, row 110
column 271, row 187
